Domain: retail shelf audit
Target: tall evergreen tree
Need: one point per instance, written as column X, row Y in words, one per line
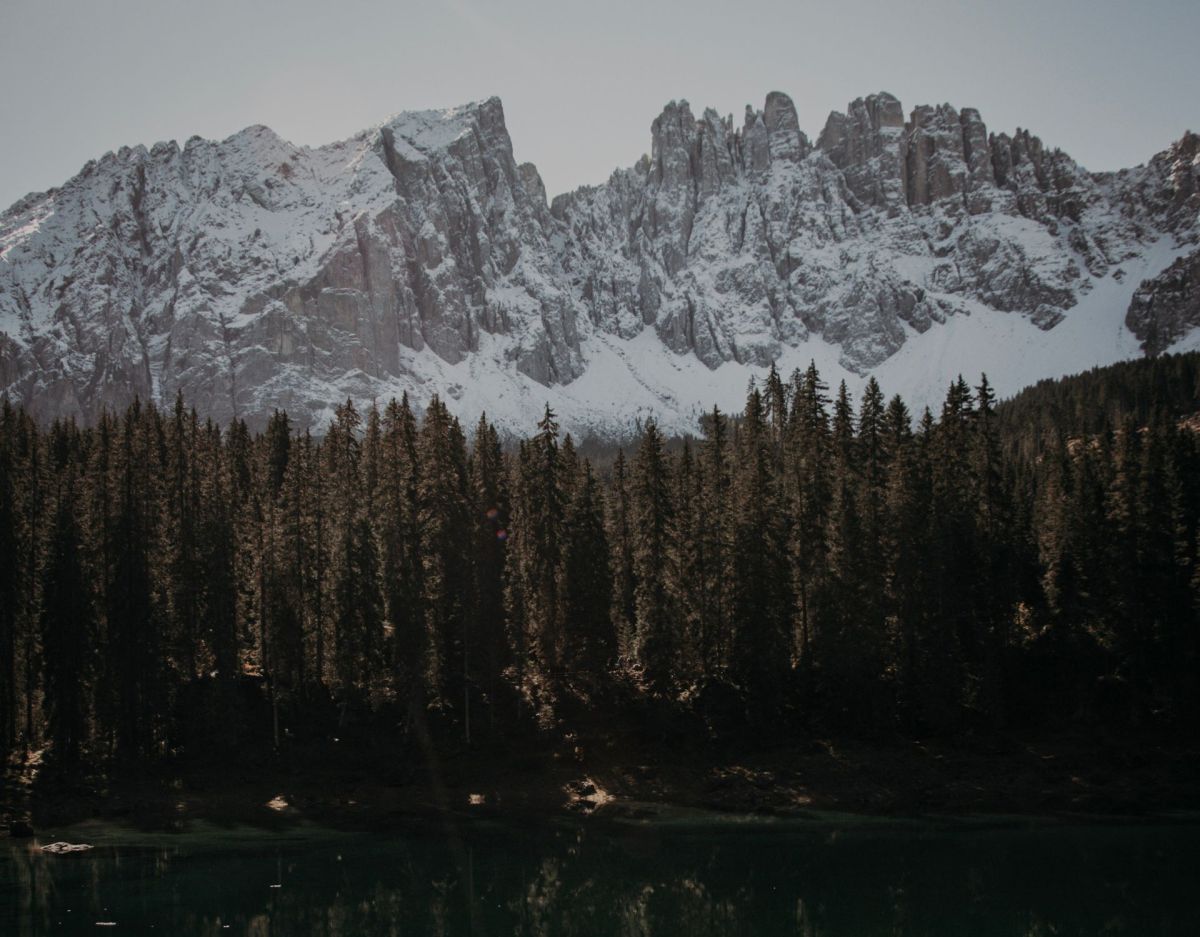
column 10, row 583
column 808, row 489
column 586, row 586
column 135, row 662
column 67, row 622
column 905, row 539
column 356, row 613
column 443, row 516
column 401, row 550
column 490, row 508
column 621, row 543
column 656, row 624
column 217, row 552
column 712, row 506
column 183, row 568
column 688, row 575
column 761, row 651
column 535, row 557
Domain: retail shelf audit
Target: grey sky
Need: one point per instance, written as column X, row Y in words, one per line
column 1109, row 81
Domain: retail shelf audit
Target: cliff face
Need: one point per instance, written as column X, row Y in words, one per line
column 254, row 274
column 735, row 243
column 419, row 256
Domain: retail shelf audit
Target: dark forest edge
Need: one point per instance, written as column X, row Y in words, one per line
column 813, row 576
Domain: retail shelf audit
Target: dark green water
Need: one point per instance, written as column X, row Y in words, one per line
column 563, row 880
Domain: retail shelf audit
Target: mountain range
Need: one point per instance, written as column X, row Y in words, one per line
column 418, row 256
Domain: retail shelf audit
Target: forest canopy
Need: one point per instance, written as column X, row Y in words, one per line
column 811, row 564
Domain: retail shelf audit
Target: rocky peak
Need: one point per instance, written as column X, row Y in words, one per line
column 673, row 139
column 671, row 201
column 1179, row 166
column 418, row 256
column 785, row 139
column 707, row 152
column 868, row 144
column 935, row 166
column 716, row 161
column 756, row 147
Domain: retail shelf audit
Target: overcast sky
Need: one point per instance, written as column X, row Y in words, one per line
column 1111, row 82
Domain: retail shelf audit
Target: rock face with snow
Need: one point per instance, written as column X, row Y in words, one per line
column 1167, row 307
column 254, row 274
column 419, row 256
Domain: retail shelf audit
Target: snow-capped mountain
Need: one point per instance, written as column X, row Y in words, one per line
column 419, row 256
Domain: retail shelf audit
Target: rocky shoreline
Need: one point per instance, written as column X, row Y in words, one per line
column 894, row 780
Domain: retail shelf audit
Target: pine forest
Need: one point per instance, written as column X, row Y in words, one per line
column 814, row 566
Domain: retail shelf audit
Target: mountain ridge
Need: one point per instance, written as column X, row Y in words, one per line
column 418, row 256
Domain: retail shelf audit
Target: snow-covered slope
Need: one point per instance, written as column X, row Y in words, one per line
column 419, row 256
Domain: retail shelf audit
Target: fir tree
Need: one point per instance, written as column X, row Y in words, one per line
column 586, row 586
column 186, row 587
column 401, row 550
column 443, row 513
column 67, row 625
column 807, row 486
column 621, row 543
column 134, row 664
column 217, row 549
column 10, row 583
column 535, row 556
column 490, row 507
column 655, row 624
column 712, row 506
column 761, row 651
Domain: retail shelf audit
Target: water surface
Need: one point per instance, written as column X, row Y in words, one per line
column 835, row 877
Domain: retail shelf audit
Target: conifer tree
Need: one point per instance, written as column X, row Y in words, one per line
column 761, row 652
column 279, row 449
column 217, row 551
column 285, row 572
column 245, row 500
column 776, row 414
column 401, row 550
column 490, row 509
column 872, row 496
column 953, row 559
column 993, row 539
column 67, row 625
column 712, row 508
column 807, row 485
column 317, row 527
column 443, row 515
column 621, row 543
column 586, row 586
column 356, row 613
column 9, row 577
column 905, row 539
column 688, row 574
column 847, row 639
column 535, row 555
column 1159, row 584
column 183, row 566
column 569, row 472
column 134, row 664
column 28, row 558
column 873, row 456
column 655, row 625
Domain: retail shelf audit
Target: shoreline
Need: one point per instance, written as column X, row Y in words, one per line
column 858, row 781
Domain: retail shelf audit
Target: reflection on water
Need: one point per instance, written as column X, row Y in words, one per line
column 569, row 879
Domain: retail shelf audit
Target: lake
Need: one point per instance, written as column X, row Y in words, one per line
column 713, row 876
